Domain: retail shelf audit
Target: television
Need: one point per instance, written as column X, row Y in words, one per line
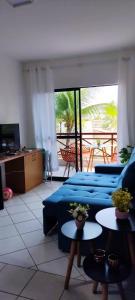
column 9, row 137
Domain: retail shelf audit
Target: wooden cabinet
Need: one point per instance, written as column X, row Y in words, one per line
column 24, row 171
column 33, row 165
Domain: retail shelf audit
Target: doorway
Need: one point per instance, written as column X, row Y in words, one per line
column 68, row 130
column 85, row 119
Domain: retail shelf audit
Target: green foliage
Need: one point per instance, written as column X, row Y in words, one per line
column 125, row 154
column 98, row 141
column 64, row 107
column 110, row 116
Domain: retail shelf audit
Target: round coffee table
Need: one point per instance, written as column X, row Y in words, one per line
column 90, row 231
column 106, row 217
column 103, row 273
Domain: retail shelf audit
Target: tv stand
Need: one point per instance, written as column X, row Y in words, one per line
column 23, row 171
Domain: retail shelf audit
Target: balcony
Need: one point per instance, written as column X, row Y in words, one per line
column 98, row 147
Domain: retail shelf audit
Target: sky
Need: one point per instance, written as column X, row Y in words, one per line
column 104, row 94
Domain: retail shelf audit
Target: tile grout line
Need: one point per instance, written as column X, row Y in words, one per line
column 27, row 248
column 24, row 298
column 35, row 264
column 3, row 267
column 35, row 271
column 23, row 221
column 32, row 211
column 39, row 244
column 24, row 245
column 61, row 294
column 9, row 264
column 2, row 291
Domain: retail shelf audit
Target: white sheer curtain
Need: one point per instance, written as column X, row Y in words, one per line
column 41, row 108
column 126, row 102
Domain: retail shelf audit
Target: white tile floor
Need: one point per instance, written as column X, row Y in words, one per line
column 31, row 265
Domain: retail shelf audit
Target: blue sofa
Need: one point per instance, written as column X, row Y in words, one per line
column 90, row 188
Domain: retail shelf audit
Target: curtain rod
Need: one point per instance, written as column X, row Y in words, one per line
column 77, row 64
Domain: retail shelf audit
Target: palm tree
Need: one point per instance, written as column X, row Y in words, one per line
column 110, row 116
column 65, row 108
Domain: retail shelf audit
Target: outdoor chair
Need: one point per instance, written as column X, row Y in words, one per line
column 69, row 157
column 86, row 152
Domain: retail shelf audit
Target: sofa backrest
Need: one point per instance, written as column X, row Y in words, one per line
column 131, row 160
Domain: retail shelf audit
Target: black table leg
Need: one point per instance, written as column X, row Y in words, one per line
column 121, row 290
column 104, row 291
column 94, row 287
column 78, row 255
column 131, row 247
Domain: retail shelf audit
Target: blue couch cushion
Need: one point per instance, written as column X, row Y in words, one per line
column 94, row 179
column 81, row 194
column 128, row 180
column 96, row 197
column 100, row 179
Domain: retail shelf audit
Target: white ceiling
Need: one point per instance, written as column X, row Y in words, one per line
column 50, row 29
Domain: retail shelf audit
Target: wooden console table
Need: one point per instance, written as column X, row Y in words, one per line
column 23, row 171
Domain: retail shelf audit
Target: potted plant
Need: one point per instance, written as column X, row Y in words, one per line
column 125, row 154
column 79, row 213
column 122, row 201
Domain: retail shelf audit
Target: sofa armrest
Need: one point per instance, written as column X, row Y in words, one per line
column 109, row 168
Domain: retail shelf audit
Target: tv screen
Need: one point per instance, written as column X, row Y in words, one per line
column 9, row 137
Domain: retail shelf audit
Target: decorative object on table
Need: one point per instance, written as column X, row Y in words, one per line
column 99, row 255
column 98, row 142
column 122, row 201
column 125, row 154
column 113, row 260
column 7, row 193
column 79, row 213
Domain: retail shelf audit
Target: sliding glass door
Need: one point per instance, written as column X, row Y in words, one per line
column 86, row 127
column 68, row 128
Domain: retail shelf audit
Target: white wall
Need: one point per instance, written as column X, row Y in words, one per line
column 12, row 107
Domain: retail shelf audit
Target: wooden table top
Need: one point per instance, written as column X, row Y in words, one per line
column 18, row 154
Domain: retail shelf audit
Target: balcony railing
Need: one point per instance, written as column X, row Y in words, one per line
column 108, row 140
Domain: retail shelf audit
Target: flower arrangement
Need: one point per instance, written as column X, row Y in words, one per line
column 79, row 211
column 122, row 199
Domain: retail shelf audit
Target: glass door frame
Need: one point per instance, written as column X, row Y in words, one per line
column 77, row 135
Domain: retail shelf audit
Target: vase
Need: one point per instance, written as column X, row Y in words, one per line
column 99, row 255
column 121, row 214
column 80, row 224
column 113, row 260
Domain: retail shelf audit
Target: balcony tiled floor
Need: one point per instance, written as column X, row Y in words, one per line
column 31, row 265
